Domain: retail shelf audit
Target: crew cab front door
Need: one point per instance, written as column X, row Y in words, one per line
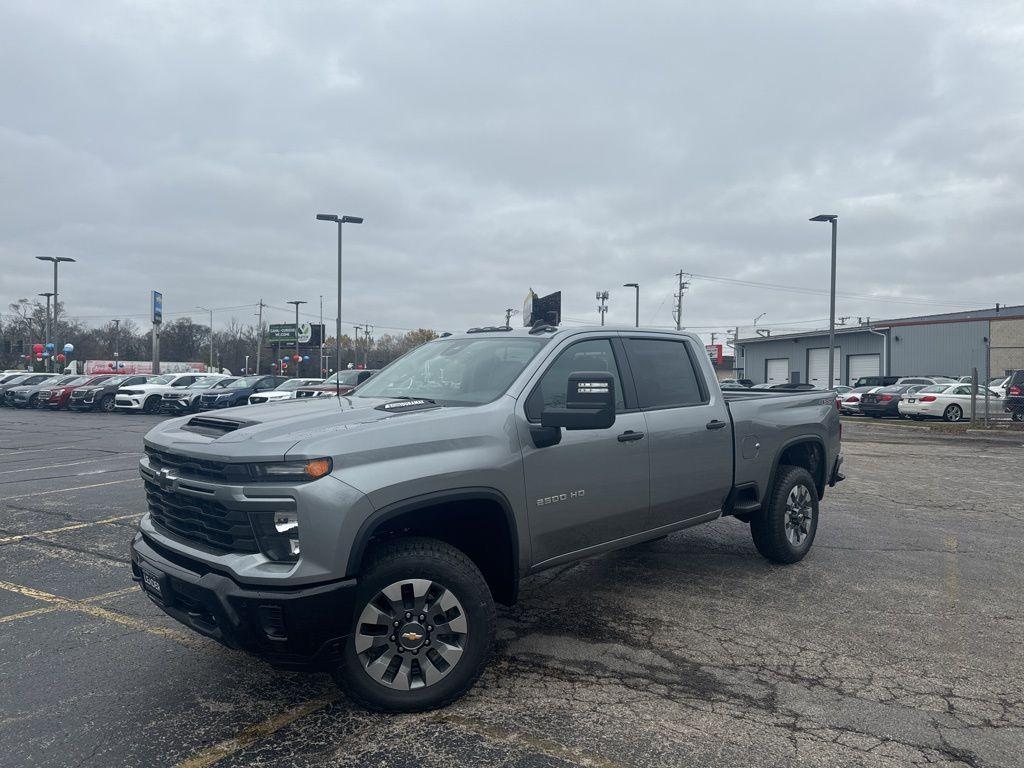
column 593, row 486
column 688, row 426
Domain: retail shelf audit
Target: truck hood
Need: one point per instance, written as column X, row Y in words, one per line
column 294, row 428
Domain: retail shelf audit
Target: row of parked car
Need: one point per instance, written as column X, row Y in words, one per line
column 934, row 397
column 175, row 393
column 915, row 397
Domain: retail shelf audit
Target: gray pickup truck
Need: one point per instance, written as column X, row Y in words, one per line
column 372, row 534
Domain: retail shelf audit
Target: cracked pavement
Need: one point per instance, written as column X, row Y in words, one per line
column 895, row 643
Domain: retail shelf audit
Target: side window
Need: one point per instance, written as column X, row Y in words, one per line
column 594, row 355
column 962, row 391
column 184, row 381
column 664, row 374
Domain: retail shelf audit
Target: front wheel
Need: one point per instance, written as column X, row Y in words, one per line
column 424, row 628
column 107, row 404
column 953, row 413
column 152, row 404
column 784, row 531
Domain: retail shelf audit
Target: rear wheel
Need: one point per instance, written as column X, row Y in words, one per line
column 785, row 530
column 152, row 404
column 424, row 628
column 107, row 404
column 953, row 413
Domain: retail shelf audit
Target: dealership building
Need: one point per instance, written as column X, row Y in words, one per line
column 947, row 345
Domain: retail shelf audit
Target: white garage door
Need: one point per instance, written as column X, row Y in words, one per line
column 862, row 365
column 777, row 370
column 817, row 367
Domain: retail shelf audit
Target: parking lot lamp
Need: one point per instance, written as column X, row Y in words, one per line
column 340, row 221
column 637, row 287
column 56, row 260
column 834, row 219
column 207, row 309
column 297, row 353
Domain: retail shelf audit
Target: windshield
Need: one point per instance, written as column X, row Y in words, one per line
column 934, row 388
column 244, row 382
column 221, row 383
column 455, row 371
column 296, row 383
column 159, row 380
column 344, row 378
column 204, row 384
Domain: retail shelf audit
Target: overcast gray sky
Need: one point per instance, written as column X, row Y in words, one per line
column 496, row 146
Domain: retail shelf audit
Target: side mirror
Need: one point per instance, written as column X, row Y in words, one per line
column 589, row 403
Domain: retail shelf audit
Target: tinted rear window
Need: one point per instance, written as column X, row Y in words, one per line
column 664, row 374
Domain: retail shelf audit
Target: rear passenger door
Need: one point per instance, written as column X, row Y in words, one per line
column 688, row 428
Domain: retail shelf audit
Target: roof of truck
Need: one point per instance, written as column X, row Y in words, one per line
column 550, row 331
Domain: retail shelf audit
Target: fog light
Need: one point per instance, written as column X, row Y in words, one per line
column 293, row 547
column 286, row 522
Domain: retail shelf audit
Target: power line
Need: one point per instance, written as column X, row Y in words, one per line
column 915, row 300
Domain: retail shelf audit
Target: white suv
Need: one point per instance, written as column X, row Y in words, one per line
column 147, row 397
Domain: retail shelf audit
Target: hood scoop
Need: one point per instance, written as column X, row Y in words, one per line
column 214, row 427
column 407, row 406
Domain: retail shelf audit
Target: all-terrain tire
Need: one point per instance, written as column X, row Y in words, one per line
column 773, row 529
column 404, row 561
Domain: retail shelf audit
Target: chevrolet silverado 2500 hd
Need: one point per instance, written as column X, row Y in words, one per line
column 372, row 534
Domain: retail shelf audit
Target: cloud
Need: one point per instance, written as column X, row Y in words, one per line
column 491, row 148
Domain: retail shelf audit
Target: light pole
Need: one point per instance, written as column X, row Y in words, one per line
column 56, row 260
column 297, row 353
column 207, row 309
column 834, row 219
column 758, row 318
column 340, row 221
column 637, row 287
column 46, row 329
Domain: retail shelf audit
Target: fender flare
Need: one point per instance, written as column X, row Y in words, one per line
column 413, row 503
column 817, row 439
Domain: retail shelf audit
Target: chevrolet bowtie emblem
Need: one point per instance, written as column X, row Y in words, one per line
column 412, row 637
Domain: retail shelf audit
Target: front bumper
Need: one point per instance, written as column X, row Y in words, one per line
column 301, row 628
column 86, row 403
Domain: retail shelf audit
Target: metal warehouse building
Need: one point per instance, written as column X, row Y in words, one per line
column 950, row 345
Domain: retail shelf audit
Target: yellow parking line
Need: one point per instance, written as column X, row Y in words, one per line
column 83, row 606
column 69, row 490
column 52, row 608
column 255, row 732
column 73, row 527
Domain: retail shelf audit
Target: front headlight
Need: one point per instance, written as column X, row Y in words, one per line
column 294, row 471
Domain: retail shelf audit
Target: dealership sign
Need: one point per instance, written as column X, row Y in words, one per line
column 715, row 353
column 311, row 334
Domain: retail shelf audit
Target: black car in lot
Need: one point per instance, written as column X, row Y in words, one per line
column 1014, row 402
column 238, row 391
column 100, row 397
column 886, row 401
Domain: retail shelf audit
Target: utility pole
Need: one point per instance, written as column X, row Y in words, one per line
column 367, row 331
column 602, row 296
column 259, row 335
column 355, row 348
column 509, row 311
column 714, row 335
column 207, row 309
column 321, row 336
column 295, row 371
column 683, row 285
column 46, row 331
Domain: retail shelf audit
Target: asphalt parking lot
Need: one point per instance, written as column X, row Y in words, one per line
column 895, row 643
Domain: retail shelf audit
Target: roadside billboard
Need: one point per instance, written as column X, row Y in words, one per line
column 310, row 334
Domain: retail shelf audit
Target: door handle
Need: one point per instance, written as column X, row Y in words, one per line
column 715, row 424
column 629, row 436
